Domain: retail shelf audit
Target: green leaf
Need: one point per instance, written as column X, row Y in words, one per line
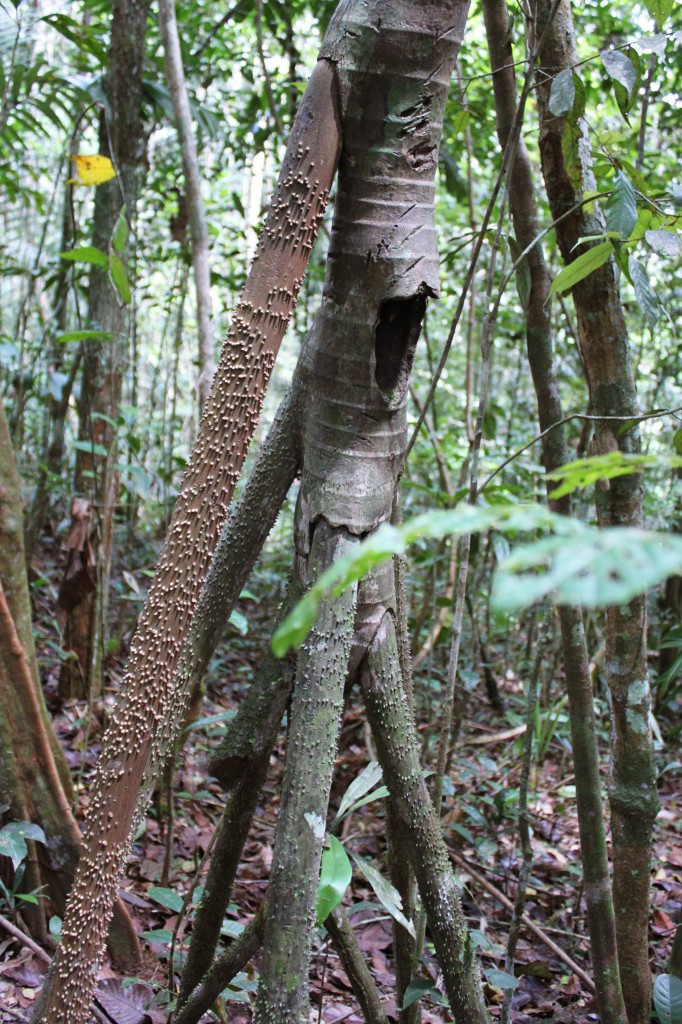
column 659, row 10
column 501, row 980
column 239, row 621
column 119, row 238
column 585, row 472
column 677, row 441
column 55, row 926
column 622, row 68
column 119, row 279
column 664, row 243
column 90, row 448
column 417, row 989
column 668, row 999
column 166, row 898
column 13, row 840
column 86, row 254
column 386, row 893
column 562, row 94
column 647, row 299
column 335, row 878
column 621, row 207
column 582, row 267
column 63, row 339
column 595, row 568
column 368, row 778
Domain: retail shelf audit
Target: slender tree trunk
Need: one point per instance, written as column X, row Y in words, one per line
column 556, row 453
column 144, row 725
column 122, row 139
column 197, row 217
column 608, row 362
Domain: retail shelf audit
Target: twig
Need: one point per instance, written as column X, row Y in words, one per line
column 534, row 928
column 25, row 940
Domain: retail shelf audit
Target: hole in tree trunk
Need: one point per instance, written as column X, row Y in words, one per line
column 395, row 340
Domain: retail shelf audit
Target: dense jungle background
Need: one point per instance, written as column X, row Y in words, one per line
column 129, row 225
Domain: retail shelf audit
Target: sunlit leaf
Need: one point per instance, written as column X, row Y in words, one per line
column 13, row 838
column 86, row 254
column 582, row 267
column 92, row 170
column 335, row 877
column 664, row 243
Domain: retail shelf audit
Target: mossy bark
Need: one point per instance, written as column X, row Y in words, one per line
column 555, row 450
column 392, row 724
column 240, row 764
column 610, row 374
column 315, row 721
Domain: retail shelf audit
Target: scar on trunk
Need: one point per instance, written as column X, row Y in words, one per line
column 395, row 339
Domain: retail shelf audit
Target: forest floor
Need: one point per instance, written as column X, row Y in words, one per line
column 551, row 963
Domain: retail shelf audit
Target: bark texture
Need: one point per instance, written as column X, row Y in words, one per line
column 556, row 453
column 608, row 363
column 146, row 719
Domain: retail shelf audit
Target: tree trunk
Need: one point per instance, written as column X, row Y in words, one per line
column 197, row 218
column 556, row 453
column 608, row 363
column 145, row 723
column 122, row 139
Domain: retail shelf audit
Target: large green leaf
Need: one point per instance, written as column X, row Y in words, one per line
column 659, row 10
column 668, row 999
column 585, row 472
column 582, row 267
column 621, row 207
column 579, row 564
column 167, row 898
column 86, row 254
column 335, row 878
